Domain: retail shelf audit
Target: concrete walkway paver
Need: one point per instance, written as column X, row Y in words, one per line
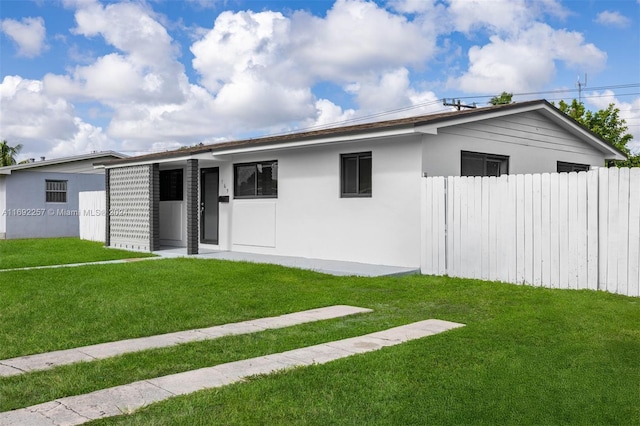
column 73, row 265
column 44, row 361
column 123, row 399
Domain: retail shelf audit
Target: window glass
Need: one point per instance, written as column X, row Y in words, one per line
column 256, row 180
column 564, row 167
column 171, row 185
column 472, row 165
column 364, row 175
column 56, row 191
column 481, row 164
column 356, row 175
column 267, row 179
column 245, row 180
column 349, row 175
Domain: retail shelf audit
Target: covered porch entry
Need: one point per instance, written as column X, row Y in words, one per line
column 170, row 204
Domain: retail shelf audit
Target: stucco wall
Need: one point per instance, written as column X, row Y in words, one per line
column 26, row 192
column 3, row 206
column 310, row 219
column 173, row 216
column 533, row 144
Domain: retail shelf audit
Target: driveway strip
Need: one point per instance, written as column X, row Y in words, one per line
column 75, row 410
column 45, row 361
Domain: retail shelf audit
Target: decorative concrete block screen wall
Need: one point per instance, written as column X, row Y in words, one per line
column 130, row 202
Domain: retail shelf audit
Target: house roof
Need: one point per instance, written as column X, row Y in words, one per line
column 103, row 155
column 417, row 124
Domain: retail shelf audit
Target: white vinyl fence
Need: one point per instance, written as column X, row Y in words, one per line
column 92, row 215
column 558, row 230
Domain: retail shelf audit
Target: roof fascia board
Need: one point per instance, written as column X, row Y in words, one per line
column 544, row 108
column 373, row 134
column 576, row 128
column 200, row 156
column 59, row 161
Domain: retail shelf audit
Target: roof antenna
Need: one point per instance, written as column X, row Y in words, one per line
column 580, row 86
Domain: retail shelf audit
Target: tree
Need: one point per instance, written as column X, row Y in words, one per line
column 502, row 99
column 8, row 154
column 607, row 124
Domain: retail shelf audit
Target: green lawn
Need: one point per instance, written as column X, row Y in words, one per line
column 57, row 251
column 527, row 355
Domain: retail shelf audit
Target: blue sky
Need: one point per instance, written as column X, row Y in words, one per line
column 142, row 76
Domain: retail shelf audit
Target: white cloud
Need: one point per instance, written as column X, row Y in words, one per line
column 243, row 42
column 147, row 70
column 612, row 19
column 345, row 45
column 501, row 16
column 261, row 66
column 29, row 35
column 527, row 60
column 46, row 126
column 329, row 114
column 355, row 39
column 392, row 91
column 498, row 16
column 413, row 6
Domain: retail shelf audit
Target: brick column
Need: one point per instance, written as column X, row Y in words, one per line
column 154, row 207
column 193, row 208
column 107, row 192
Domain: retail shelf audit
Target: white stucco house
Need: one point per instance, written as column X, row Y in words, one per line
column 346, row 193
column 39, row 199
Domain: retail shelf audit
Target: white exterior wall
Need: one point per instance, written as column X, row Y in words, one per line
column 310, row 219
column 533, row 143
column 3, row 207
column 173, row 216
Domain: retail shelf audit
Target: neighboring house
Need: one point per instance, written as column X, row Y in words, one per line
column 350, row 193
column 39, row 199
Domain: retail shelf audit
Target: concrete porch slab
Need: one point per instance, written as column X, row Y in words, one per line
column 331, row 267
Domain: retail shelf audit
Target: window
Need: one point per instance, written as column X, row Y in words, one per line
column 56, row 191
column 479, row 164
column 171, row 185
column 256, row 180
column 355, row 175
column 572, row 167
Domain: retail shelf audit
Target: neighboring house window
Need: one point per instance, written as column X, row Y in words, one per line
column 480, row 164
column 256, row 180
column 171, row 185
column 56, row 191
column 355, row 174
column 572, row 167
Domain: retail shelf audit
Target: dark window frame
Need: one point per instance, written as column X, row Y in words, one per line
column 572, row 167
column 486, row 158
column 55, row 191
column 263, row 186
column 360, row 162
column 172, row 185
